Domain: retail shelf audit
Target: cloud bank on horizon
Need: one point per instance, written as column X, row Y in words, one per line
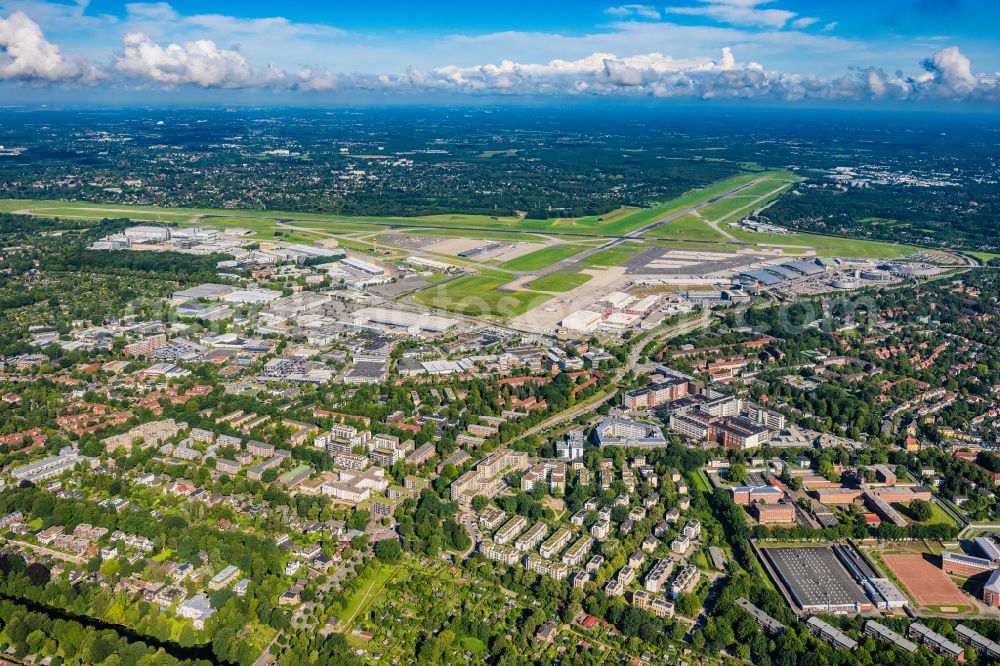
column 29, row 58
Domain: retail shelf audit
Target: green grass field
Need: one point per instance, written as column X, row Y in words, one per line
column 689, row 227
column 613, row 223
column 560, row 281
column 624, row 220
column 477, row 295
column 541, row 258
column 938, row 515
column 828, row 246
column 614, row 257
column 746, row 202
column 368, row 590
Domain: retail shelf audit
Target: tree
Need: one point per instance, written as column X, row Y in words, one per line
column 921, row 510
column 358, row 521
column 688, row 604
column 737, row 473
column 388, row 551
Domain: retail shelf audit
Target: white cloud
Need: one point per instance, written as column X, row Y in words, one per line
column 738, row 12
column 312, row 80
column 640, row 11
column 804, row 22
column 589, row 64
column 947, row 75
column 26, row 55
column 951, row 71
column 199, row 63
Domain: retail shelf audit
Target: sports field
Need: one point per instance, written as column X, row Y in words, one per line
column 926, row 583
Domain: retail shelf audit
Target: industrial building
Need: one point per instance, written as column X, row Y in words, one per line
column 816, row 580
column 411, row 322
column 363, row 266
column 582, row 320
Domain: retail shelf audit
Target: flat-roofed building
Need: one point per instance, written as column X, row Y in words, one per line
column 988, row 548
column 980, row 643
column 936, row 641
column 966, row 565
column 656, row 394
column 492, row 517
column 782, row 512
column 579, row 550
column 498, row 553
column 875, row 629
column 623, row 432
column 555, row 543
column 991, row 590
column 764, row 621
column 831, row 634
column 693, row 425
column 738, row 433
column 654, row 604
column 510, row 530
column 657, row 577
column 223, row 578
column 685, row 581
column 601, row 529
column 530, row 539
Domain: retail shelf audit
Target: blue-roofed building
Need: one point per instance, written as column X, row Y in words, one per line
column 805, row 267
column 763, row 277
column 782, row 272
column 988, row 548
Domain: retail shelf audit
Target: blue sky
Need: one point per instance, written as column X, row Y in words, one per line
column 930, row 51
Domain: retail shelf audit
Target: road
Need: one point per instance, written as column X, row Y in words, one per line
column 680, row 328
column 51, row 553
column 265, row 657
